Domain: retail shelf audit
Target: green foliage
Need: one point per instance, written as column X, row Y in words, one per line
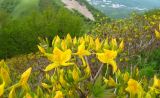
column 137, row 31
column 148, row 62
column 99, row 88
column 69, row 73
column 147, row 71
column 20, row 35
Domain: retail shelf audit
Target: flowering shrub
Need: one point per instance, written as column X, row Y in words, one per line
column 75, row 71
column 137, row 31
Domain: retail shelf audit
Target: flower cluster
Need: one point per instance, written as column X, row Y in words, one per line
column 70, row 73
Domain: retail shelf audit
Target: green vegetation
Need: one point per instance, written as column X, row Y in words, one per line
column 137, row 32
column 25, row 21
column 69, row 73
column 27, row 29
column 80, row 58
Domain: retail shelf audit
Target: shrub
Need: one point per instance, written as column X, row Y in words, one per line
column 137, row 31
column 69, row 74
column 20, row 35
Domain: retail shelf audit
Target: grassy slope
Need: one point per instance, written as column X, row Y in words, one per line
column 10, row 5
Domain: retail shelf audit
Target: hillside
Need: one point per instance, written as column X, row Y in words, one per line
column 19, row 8
column 41, row 18
column 69, row 49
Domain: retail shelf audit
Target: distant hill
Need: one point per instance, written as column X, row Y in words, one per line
column 22, row 7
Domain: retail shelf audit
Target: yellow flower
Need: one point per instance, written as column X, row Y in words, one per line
column 111, row 82
column 87, row 71
column 2, row 88
column 126, row 76
column 86, row 38
column 45, row 85
column 133, row 87
column 148, row 95
column 118, row 73
column 63, row 45
column 41, row 49
column 59, row 58
column 98, row 44
column 121, row 46
column 114, row 43
column 59, row 94
column 3, row 65
column 108, row 57
column 12, row 93
column 81, row 50
column 5, row 75
column 61, row 78
column 105, row 80
column 25, row 76
column 156, row 83
column 157, row 34
column 106, row 44
column 28, row 96
column 81, row 40
column 75, row 74
column 91, row 42
column 69, row 39
column 56, row 41
column 75, row 41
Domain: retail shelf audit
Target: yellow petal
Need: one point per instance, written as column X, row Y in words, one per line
column 75, row 41
column 86, row 38
column 5, row 76
column 114, row 43
column 51, row 66
column 91, row 43
column 110, row 54
column 75, row 74
column 87, row 71
column 106, row 44
column 69, row 38
column 105, row 80
column 41, row 49
column 133, row 87
column 45, row 85
column 57, row 55
column 2, row 88
column 57, row 41
column 102, row 57
column 81, row 40
column 28, row 96
column 25, row 76
column 63, row 45
column 61, row 57
column 3, row 64
column 157, row 34
column 59, row 94
column 12, row 93
column 61, row 78
column 107, row 56
column 156, row 83
column 66, row 56
column 111, row 82
column 121, row 46
column 126, row 76
column 148, row 95
column 81, row 50
column 114, row 65
column 98, row 44
column 67, row 64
